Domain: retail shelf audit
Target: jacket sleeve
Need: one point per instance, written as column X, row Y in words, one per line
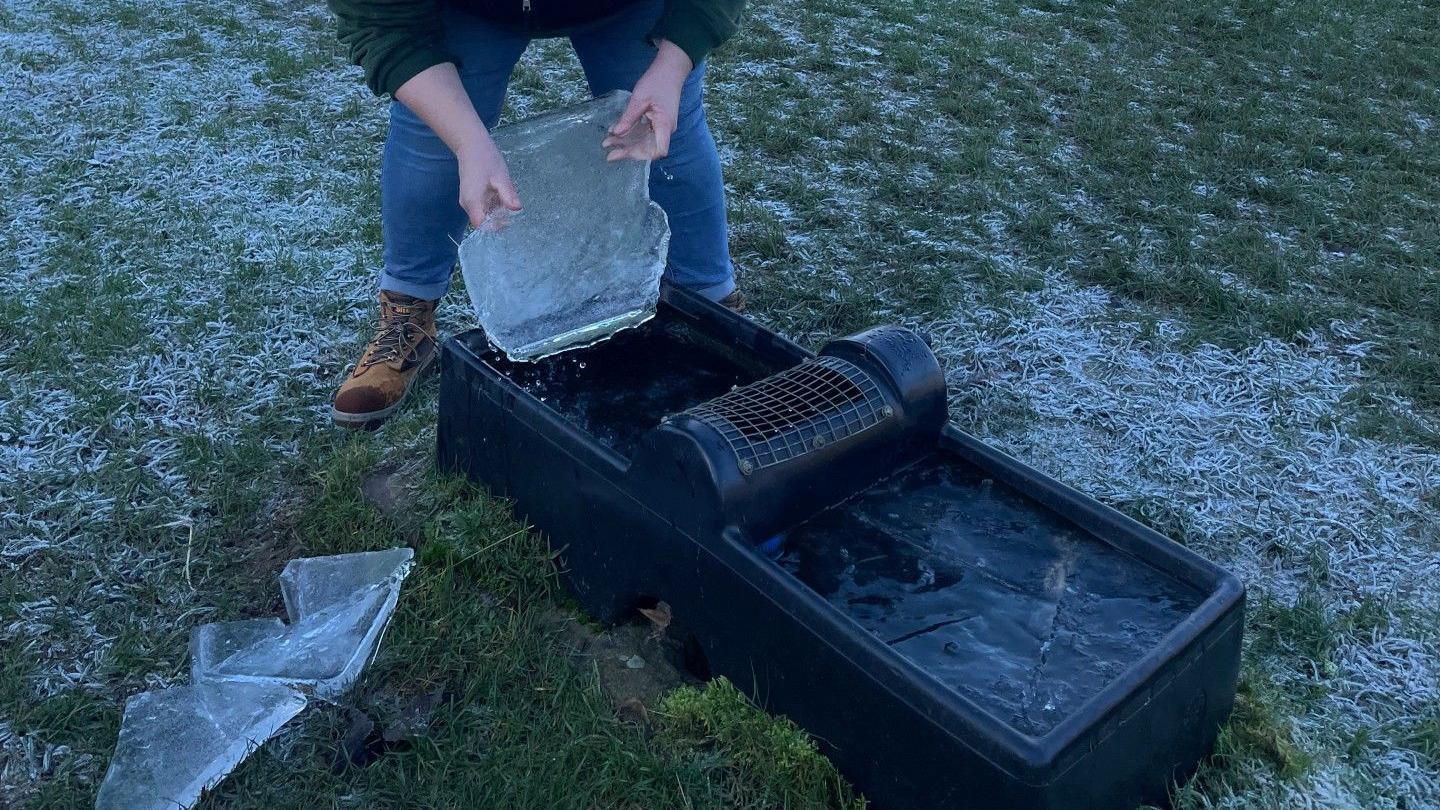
column 391, row 39
column 698, row 26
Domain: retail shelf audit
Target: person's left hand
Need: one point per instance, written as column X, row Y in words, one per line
column 656, row 101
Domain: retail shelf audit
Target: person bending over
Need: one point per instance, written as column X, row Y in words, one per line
column 446, row 64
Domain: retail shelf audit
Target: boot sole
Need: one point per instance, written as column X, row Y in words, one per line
column 371, row 419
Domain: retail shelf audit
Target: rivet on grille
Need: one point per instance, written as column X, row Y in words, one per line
column 746, row 468
column 887, row 411
column 819, row 442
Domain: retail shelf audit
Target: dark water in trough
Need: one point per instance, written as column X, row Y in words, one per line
column 995, row 597
column 620, row 388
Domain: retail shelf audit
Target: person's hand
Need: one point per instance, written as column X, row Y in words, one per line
column 485, row 185
column 654, row 106
column 437, row 96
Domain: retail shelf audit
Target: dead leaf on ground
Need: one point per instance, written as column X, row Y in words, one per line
column 659, row 618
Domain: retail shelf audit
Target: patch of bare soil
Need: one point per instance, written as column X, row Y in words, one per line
column 637, row 662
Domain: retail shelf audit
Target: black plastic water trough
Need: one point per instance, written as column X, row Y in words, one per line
column 957, row 629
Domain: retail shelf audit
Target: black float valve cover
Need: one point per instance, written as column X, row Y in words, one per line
column 765, row 456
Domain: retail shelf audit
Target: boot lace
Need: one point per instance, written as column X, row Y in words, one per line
column 394, row 339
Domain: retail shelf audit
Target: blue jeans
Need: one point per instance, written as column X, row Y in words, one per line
column 420, row 184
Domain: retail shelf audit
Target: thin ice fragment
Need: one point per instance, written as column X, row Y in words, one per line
column 583, row 260
column 313, row 584
column 177, row 742
column 250, row 678
column 338, row 608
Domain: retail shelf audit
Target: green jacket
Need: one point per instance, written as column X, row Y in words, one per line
column 395, row 39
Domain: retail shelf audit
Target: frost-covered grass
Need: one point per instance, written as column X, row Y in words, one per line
column 1181, row 255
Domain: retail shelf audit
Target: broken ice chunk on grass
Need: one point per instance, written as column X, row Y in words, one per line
column 338, row 608
column 176, row 743
column 320, row 655
column 251, row 677
column 583, row 260
column 314, row 584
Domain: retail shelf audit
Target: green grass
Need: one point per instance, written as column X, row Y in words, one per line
column 192, row 230
column 769, row 763
column 524, row 725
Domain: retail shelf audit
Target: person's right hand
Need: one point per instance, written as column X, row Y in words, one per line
column 485, row 185
column 438, row 97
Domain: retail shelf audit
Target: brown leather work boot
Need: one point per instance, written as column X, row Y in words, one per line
column 403, row 346
column 735, row 302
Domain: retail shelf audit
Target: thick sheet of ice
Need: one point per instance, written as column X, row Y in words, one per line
column 338, row 607
column 584, row 258
column 178, row 742
column 311, row 585
column 250, row 677
column 991, row 594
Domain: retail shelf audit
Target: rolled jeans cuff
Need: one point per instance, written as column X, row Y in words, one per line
column 717, row 292
column 429, row 291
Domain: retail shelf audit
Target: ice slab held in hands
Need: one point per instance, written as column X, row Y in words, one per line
column 250, row 677
column 583, row 260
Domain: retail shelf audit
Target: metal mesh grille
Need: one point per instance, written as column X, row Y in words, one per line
column 796, row 411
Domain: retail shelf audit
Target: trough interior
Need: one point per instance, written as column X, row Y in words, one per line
column 620, row 388
column 987, row 590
